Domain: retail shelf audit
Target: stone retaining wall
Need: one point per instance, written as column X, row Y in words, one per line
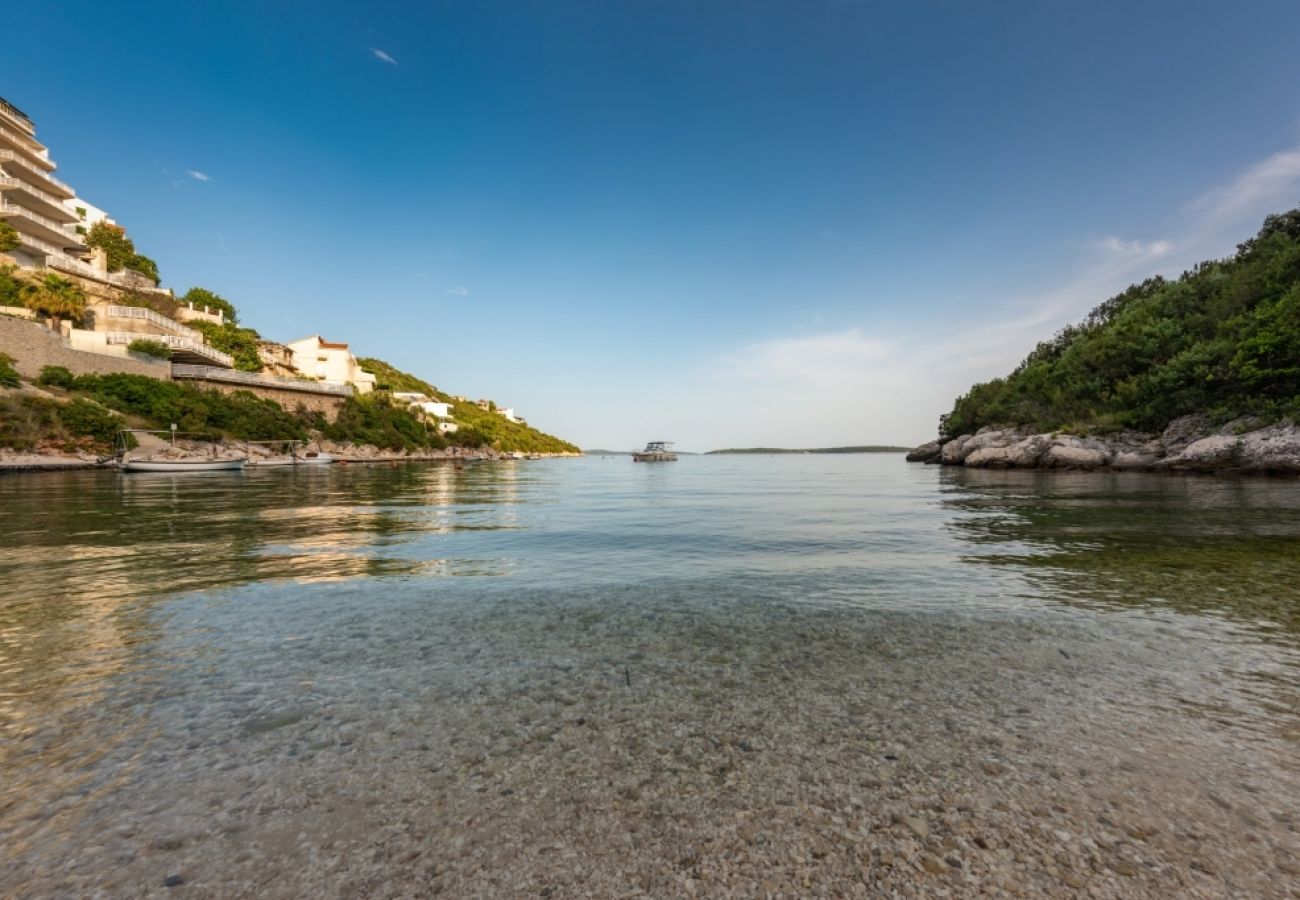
column 33, row 346
column 290, row 400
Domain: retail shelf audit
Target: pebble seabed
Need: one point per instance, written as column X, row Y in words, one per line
column 650, row 746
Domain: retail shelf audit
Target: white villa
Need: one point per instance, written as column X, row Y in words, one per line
column 330, row 362
column 433, row 408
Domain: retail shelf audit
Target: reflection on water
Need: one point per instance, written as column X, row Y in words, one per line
column 1220, row 547
column 202, row 656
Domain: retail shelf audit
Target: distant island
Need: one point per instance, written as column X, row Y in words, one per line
column 866, row 448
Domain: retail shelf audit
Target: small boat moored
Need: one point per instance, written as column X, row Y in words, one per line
column 314, row 458
column 162, row 464
column 656, row 451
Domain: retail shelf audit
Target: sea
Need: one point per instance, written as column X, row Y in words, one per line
column 787, row 675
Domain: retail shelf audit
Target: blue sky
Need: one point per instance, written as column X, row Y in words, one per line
column 724, row 223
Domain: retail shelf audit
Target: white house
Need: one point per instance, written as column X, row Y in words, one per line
column 436, row 408
column 509, row 414
column 330, row 362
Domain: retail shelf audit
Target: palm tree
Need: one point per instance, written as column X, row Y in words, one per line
column 56, row 297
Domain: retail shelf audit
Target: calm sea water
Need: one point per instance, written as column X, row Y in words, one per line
column 536, row 674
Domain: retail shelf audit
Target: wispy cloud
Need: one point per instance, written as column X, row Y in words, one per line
column 198, row 176
column 1257, row 187
column 1146, row 249
column 382, row 56
column 459, row 290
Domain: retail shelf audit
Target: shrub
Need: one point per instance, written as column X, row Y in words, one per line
column 240, row 343
column 202, row 297
column 55, row 376
column 150, row 348
column 240, row 415
column 11, row 287
column 85, row 418
column 143, row 265
column 9, row 239
column 25, row 420
column 8, row 374
column 374, row 419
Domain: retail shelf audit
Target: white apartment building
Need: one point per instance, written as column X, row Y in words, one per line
column 330, row 362
column 32, row 200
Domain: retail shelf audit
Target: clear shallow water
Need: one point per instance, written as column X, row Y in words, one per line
column 732, row 674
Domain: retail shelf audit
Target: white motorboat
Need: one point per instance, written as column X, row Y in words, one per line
column 656, row 451
column 182, row 465
column 313, row 458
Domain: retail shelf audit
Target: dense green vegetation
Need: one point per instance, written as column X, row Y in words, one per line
column 157, row 404
column 53, row 296
column 240, row 343
column 148, row 347
column 1223, row 340
column 9, row 239
column 477, row 426
column 120, row 250
column 204, row 298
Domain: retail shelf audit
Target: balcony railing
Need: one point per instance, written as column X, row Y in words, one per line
column 55, row 258
column 153, row 318
column 26, row 142
column 174, row 341
column 19, row 184
column 17, row 114
column 210, row 373
column 11, row 156
column 61, row 227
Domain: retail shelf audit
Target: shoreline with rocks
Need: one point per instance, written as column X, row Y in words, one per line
column 13, row 462
column 1190, row 444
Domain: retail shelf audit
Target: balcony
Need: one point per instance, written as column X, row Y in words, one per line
column 141, row 314
column 23, row 219
column 17, row 116
column 35, row 175
column 257, row 379
column 184, row 349
column 37, row 200
column 29, row 147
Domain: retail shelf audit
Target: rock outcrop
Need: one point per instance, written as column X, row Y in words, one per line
column 1188, row 444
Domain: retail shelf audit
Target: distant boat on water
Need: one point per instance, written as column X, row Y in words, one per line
column 656, row 451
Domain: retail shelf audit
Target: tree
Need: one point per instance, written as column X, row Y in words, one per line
column 112, row 239
column 145, row 266
column 9, row 239
column 55, row 297
column 202, row 297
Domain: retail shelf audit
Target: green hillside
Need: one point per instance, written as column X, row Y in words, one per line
column 477, row 426
column 1222, row 340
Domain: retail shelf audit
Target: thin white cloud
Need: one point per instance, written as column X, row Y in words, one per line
column 819, row 360
column 382, row 56
column 1148, row 250
column 1259, row 186
column 198, row 176
column 459, row 290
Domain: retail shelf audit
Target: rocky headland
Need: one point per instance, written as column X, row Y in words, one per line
column 1188, row 444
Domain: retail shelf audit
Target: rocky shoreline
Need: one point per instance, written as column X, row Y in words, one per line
column 1188, row 444
column 56, row 461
